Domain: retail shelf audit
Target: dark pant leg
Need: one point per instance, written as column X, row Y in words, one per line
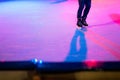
column 80, row 9
column 87, row 8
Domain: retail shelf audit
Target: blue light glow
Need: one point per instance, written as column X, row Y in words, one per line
column 35, row 61
column 40, row 61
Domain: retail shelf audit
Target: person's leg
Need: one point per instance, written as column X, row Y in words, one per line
column 86, row 11
column 80, row 11
column 87, row 8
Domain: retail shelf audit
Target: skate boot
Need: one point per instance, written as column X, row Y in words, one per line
column 79, row 23
column 83, row 21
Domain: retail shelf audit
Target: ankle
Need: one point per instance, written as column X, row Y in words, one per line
column 79, row 18
column 84, row 18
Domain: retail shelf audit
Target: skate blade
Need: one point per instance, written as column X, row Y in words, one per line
column 83, row 29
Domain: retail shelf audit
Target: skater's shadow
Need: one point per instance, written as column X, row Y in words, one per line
column 103, row 24
column 78, row 47
column 58, row 1
column 6, row 0
column 115, row 18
